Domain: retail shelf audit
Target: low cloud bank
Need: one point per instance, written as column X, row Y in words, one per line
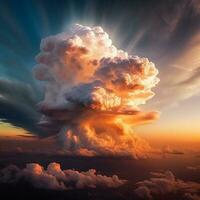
column 169, row 150
column 57, row 179
column 166, row 183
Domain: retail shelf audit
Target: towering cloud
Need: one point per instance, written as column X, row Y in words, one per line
column 93, row 92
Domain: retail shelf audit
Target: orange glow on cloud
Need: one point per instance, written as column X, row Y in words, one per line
column 93, row 93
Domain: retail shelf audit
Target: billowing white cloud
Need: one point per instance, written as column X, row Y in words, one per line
column 93, row 92
column 57, row 179
column 166, row 183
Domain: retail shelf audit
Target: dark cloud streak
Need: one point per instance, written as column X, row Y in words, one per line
column 18, row 105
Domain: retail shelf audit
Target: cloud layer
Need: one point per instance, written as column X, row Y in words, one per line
column 57, row 179
column 93, row 92
column 166, row 183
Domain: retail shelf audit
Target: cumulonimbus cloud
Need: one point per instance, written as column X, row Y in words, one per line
column 93, row 93
column 166, row 183
column 57, row 179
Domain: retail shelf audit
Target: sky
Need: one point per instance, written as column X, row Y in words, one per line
column 166, row 33
column 100, row 99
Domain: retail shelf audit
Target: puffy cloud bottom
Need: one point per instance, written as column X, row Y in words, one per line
column 57, row 179
column 163, row 184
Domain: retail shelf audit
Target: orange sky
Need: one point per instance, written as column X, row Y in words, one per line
column 182, row 137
